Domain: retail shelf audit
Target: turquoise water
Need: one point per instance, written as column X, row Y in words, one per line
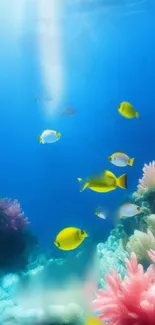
column 89, row 55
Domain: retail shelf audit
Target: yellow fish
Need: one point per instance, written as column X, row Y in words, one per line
column 105, row 182
column 127, row 110
column 70, row 238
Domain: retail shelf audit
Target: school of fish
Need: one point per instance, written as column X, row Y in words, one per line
column 71, row 237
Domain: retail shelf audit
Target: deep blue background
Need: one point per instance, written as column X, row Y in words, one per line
column 111, row 59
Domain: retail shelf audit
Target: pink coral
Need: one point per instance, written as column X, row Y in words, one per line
column 131, row 301
column 11, row 215
column 148, row 179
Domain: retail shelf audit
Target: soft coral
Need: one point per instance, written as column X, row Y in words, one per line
column 131, row 301
column 11, row 216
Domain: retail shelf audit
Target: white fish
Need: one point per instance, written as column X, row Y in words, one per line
column 49, row 136
column 120, row 159
column 128, row 210
column 100, row 213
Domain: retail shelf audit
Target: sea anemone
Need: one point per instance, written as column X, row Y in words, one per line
column 130, row 301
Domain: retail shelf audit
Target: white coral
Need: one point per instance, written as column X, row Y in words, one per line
column 148, row 179
column 139, row 243
column 150, row 221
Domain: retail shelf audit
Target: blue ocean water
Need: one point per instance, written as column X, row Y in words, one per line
column 107, row 56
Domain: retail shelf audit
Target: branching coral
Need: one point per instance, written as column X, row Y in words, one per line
column 128, row 302
column 150, row 222
column 148, row 179
column 145, row 195
column 15, row 239
column 11, row 216
column 139, row 243
column 112, row 254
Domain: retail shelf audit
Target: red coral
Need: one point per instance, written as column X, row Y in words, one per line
column 131, row 301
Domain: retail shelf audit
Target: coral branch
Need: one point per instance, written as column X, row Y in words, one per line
column 128, row 302
column 11, row 215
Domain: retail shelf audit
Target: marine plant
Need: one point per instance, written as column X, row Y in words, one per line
column 130, row 301
column 16, row 240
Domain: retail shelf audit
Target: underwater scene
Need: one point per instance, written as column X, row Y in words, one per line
column 77, row 167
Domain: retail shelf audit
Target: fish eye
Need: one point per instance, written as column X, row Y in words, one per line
column 82, row 232
column 138, row 208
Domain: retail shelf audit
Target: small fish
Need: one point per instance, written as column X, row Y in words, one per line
column 100, row 213
column 127, row 110
column 49, row 136
column 105, row 182
column 70, row 238
column 120, row 159
column 128, row 210
column 69, row 111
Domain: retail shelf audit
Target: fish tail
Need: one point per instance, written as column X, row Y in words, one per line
column 58, row 134
column 131, row 161
column 137, row 114
column 40, row 139
column 122, row 181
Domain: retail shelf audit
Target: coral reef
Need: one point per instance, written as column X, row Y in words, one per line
column 16, row 240
column 140, row 243
column 112, row 255
column 145, row 198
column 128, row 302
column 145, row 194
column 150, row 223
column 148, row 179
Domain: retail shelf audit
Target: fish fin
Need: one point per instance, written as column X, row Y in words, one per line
column 122, row 181
column 84, row 184
column 84, row 187
column 58, row 134
column 83, row 233
column 131, row 161
column 56, row 244
column 40, row 139
column 137, row 114
column 79, row 179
